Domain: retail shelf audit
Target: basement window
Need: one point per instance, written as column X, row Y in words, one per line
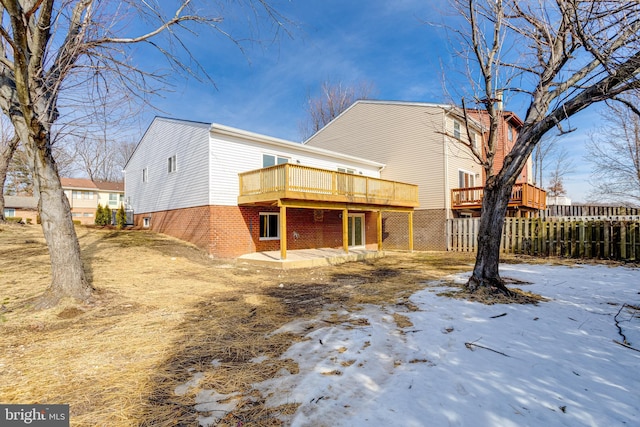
column 146, row 222
column 269, row 226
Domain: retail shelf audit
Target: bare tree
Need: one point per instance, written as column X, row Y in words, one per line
column 570, row 54
column 78, row 50
column 561, row 166
column 8, row 145
column 614, row 153
column 333, row 99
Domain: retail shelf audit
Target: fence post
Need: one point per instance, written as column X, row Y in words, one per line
column 623, row 240
column 607, row 238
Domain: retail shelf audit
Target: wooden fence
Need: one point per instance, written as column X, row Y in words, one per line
column 598, row 212
column 603, row 239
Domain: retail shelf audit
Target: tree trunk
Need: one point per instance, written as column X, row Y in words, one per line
column 68, row 279
column 494, row 208
column 5, row 159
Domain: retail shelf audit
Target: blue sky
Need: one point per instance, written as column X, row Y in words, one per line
column 387, row 44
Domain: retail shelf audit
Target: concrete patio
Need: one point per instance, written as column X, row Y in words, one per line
column 305, row 258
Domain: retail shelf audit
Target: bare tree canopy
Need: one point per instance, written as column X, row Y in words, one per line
column 55, row 54
column 333, row 99
column 558, row 58
column 614, row 153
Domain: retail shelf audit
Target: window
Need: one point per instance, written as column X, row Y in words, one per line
column 346, row 170
column 76, row 194
column 9, row 213
column 145, row 175
column 465, row 179
column 269, row 229
column 146, row 222
column 113, row 199
column 171, row 164
column 510, row 133
column 456, row 129
column 88, row 215
column 272, row 160
column 473, row 138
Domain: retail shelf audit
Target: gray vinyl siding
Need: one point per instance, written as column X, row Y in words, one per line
column 408, row 138
column 188, row 185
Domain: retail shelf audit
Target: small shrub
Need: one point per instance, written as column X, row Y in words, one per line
column 29, row 220
column 121, row 217
column 77, row 222
column 14, row 219
column 103, row 215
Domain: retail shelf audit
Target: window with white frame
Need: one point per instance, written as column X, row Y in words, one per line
column 465, row 179
column 269, row 226
column 113, row 199
column 171, row 164
column 9, row 213
column 456, row 129
column 510, row 133
column 146, row 222
column 347, row 170
column 272, row 160
column 473, row 138
column 145, row 175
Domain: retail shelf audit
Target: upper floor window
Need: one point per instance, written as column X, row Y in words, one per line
column 473, row 139
column 272, row 160
column 456, row 129
column 86, row 195
column 171, row 164
column 346, row 170
column 510, row 133
column 465, row 179
column 145, row 175
column 113, row 199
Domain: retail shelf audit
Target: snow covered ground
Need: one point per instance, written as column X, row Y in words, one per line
column 554, row 364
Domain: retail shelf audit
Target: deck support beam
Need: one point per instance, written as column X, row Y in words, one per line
column 283, row 232
column 379, row 229
column 345, row 230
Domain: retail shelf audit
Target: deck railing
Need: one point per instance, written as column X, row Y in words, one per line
column 303, row 182
column 522, row 196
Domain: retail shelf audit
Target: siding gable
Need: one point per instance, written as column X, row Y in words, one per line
column 188, row 185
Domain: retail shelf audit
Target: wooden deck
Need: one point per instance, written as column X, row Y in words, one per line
column 523, row 196
column 303, row 183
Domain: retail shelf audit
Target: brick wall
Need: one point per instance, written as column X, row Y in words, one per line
column 230, row 231
column 190, row 224
column 428, row 230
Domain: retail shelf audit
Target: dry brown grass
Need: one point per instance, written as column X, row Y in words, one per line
column 162, row 311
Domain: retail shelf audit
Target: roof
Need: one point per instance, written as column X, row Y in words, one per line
column 448, row 108
column 23, row 202
column 216, row 128
column 227, row 130
column 87, row 184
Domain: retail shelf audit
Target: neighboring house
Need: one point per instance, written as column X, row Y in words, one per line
column 84, row 196
column 420, row 143
column 234, row 192
column 25, row 207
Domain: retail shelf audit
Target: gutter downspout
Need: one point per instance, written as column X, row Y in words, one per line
column 445, row 150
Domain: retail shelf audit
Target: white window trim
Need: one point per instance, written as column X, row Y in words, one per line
column 145, row 175
column 470, row 173
column 146, row 222
column 457, row 133
column 276, row 214
column 277, row 158
column 172, row 164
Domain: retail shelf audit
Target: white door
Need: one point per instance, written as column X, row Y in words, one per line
column 356, row 230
